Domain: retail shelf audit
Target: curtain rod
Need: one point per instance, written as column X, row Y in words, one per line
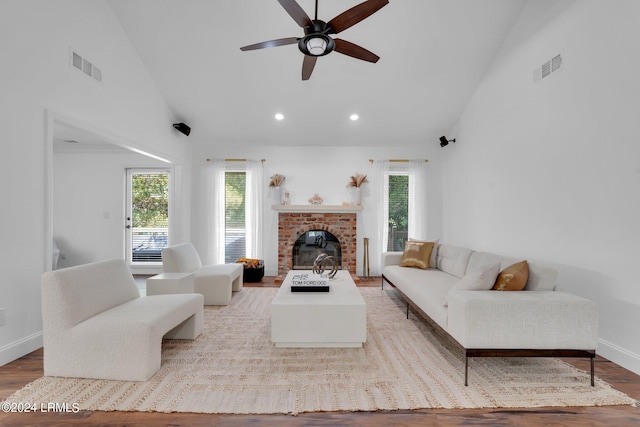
column 398, row 160
column 236, row 160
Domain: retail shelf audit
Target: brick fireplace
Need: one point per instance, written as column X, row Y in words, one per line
column 292, row 225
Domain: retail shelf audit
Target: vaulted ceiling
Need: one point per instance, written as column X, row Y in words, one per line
column 433, row 54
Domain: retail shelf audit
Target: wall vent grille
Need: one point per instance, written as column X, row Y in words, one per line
column 80, row 63
column 548, row 68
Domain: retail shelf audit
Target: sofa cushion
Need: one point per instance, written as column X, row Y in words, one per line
column 479, row 279
column 426, row 288
column 416, row 254
column 541, row 278
column 453, row 259
column 481, row 259
column 513, row 278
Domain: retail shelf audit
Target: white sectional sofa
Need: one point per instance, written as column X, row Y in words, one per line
column 96, row 324
column 535, row 322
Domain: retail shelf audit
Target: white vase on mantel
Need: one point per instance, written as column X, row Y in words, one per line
column 277, row 196
column 358, row 196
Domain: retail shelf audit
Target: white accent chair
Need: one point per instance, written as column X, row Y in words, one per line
column 96, row 324
column 216, row 282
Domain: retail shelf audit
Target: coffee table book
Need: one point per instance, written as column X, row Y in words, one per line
column 306, row 282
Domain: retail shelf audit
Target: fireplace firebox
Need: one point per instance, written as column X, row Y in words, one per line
column 313, row 243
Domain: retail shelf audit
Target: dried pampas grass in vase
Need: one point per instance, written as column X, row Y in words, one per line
column 356, row 181
column 276, row 180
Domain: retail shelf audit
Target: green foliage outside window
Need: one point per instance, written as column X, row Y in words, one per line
column 235, row 184
column 398, row 211
column 150, row 200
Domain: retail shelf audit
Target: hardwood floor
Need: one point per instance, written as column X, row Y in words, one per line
column 17, row 374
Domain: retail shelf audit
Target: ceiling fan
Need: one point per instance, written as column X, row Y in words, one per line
column 316, row 41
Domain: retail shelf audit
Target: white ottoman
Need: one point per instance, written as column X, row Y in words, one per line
column 217, row 282
column 170, row 283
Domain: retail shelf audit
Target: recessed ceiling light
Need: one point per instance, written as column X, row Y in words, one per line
column 354, row 117
column 279, row 116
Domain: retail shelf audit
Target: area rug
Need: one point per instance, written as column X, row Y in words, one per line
column 234, row 368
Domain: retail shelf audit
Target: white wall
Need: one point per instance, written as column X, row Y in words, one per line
column 89, row 204
column 551, row 171
column 35, row 77
column 308, row 170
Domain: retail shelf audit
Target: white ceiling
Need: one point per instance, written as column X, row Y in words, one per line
column 433, row 55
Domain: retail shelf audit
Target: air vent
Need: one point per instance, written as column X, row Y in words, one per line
column 548, row 68
column 80, row 63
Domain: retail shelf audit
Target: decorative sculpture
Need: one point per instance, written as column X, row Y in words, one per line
column 322, row 261
column 316, row 199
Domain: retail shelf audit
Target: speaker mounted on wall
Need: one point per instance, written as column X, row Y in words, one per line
column 444, row 141
column 183, row 128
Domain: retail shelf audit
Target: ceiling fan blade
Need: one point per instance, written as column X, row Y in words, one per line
column 355, row 51
column 296, row 12
column 270, row 43
column 356, row 14
column 307, row 66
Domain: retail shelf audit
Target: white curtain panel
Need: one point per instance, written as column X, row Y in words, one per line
column 377, row 229
column 215, row 190
column 215, row 179
column 253, row 208
column 417, row 199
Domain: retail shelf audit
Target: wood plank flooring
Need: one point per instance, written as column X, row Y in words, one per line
column 17, row 374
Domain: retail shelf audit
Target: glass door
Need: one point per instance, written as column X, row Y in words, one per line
column 147, row 215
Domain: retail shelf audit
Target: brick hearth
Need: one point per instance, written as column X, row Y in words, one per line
column 292, row 224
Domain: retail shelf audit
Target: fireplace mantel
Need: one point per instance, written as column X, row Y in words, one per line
column 316, row 208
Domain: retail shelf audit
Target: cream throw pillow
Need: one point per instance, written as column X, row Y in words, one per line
column 416, row 254
column 479, row 279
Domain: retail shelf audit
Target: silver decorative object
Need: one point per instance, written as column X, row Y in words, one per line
column 321, row 263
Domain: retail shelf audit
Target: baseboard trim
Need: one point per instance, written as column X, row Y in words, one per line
column 19, row 348
column 619, row 356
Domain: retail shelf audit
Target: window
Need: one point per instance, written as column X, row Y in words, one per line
column 398, row 217
column 234, row 213
column 401, row 191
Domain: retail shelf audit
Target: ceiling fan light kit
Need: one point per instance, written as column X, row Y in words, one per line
column 316, row 45
column 317, row 41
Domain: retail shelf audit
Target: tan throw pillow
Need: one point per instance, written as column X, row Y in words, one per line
column 433, row 260
column 416, row 254
column 513, row 278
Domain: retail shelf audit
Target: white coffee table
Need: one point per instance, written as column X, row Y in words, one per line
column 337, row 318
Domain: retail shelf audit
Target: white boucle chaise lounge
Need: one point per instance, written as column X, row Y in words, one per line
column 216, row 282
column 96, row 324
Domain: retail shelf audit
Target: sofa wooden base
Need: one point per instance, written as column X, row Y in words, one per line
column 490, row 352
